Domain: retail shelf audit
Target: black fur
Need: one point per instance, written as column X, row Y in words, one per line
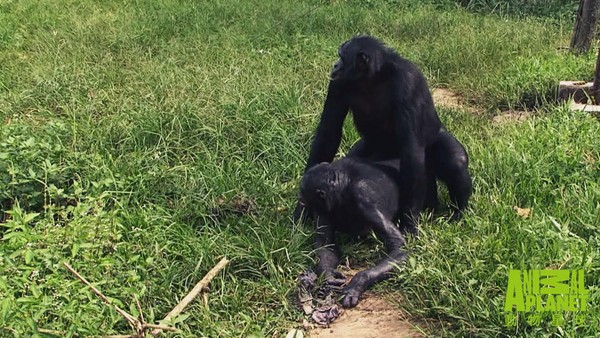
column 393, row 112
column 352, row 196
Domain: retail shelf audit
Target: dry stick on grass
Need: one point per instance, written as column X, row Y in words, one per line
column 63, row 333
column 139, row 308
column 139, row 326
column 190, row 296
column 130, row 319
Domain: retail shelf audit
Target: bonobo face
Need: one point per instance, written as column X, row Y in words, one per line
column 358, row 59
column 318, row 188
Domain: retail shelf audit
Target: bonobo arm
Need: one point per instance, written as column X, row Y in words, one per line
column 327, row 137
column 329, row 132
column 327, row 252
column 394, row 240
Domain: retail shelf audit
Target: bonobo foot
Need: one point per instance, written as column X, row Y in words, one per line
column 456, row 216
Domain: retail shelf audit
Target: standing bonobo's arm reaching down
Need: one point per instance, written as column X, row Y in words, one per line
column 329, row 131
column 412, row 175
column 327, row 137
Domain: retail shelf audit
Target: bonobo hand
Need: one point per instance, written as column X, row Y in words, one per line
column 334, row 277
column 301, row 213
column 354, row 290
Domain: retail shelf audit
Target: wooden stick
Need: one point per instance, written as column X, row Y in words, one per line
column 55, row 332
column 192, row 294
column 139, row 308
column 132, row 321
column 160, row 327
column 62, row 334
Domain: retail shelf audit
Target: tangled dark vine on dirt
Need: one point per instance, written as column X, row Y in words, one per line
column 318, row 301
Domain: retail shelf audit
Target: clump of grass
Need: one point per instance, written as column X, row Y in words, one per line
column 552, row 9
column 547, row 164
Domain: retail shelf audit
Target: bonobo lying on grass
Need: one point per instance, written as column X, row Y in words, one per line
column 353, row 196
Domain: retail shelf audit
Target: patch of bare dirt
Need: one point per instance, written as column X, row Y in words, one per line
column 238, row 205
column 446, row 98
column 373, row 317
column 511, row 116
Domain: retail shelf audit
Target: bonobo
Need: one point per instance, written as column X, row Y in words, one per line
column 352, row 196
column 394, row 114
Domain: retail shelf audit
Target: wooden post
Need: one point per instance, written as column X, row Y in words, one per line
column 585, row 26
column 595, row 89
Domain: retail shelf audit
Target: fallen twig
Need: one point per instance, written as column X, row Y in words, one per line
column 130, row 319
column 139, row 325
column 54, row 332
column 160, row 327
column 63, row 333
column 139, row 308
column 192, row 294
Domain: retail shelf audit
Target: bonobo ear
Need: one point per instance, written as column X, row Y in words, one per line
column 321, row 193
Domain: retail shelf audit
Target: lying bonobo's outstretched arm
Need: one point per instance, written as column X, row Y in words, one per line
column 394, row 241
column 327, row 137
column 327, row 253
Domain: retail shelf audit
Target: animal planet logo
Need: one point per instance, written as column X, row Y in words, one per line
column 546, row 291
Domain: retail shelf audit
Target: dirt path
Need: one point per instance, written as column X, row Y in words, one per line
column 446, row 98
column 374, row 317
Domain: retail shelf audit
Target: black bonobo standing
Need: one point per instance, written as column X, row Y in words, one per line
column 355, row 197
column 394, row 114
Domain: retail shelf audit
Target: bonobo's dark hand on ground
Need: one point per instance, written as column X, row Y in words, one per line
column 354, row 290
column 299, row 214
column 334, row 278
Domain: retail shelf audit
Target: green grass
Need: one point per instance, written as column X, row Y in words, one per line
column 547, row 9
column 133, row 132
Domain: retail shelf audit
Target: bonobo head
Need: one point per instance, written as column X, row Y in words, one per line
column 322, row 187
column 360, row 59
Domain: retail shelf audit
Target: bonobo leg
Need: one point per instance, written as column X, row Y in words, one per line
column 432, row 201
column 359, row 149
column 327, row 253
column 451, row 166
column 372, row 152
column 394, row 241
column 413, row 186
